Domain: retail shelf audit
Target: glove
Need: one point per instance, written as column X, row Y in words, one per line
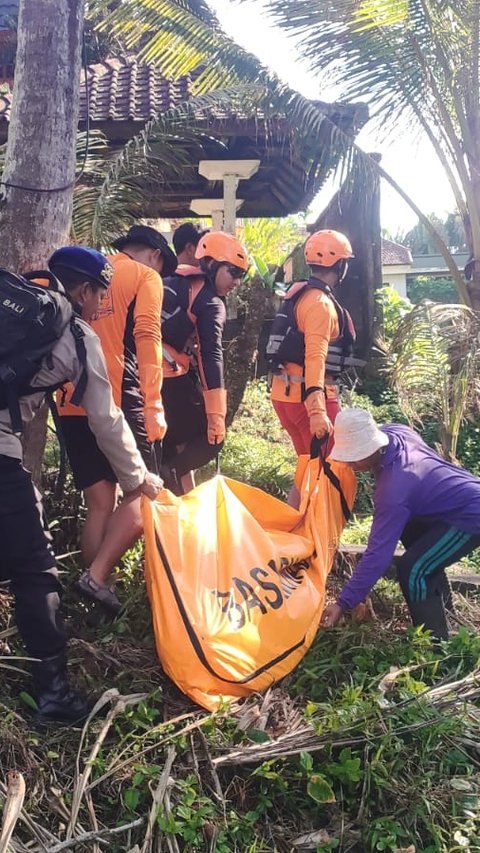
column 151, row 384
column 216, row 409
column 320, row 423
column 155, row 423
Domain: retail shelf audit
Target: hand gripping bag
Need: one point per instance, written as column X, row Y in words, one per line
column 236, row 578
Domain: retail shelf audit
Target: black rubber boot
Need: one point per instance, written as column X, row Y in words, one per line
column 56, row 700
column 431, row 614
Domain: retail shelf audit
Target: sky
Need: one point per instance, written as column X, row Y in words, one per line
column 411, row 163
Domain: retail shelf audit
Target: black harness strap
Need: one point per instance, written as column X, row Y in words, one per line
column 317, row 451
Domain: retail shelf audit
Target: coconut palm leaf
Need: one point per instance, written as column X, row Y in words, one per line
column 181, row 37
column 416, row 63
column 434, row 367
column 184, row 37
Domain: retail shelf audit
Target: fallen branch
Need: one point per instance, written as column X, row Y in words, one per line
column 13, row 807
column 158, row 797
column 448, row 696
column 121, row 702
column 94, row 836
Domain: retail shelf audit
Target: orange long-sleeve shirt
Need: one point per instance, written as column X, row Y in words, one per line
column 129, row 328
column 317, row 318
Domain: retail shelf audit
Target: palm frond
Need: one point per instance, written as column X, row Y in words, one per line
column 434, row 366
column 414, row 62
column 381, row 50
column 180, row 38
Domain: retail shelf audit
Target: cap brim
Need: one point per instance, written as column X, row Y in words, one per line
column 170, row 262
column 358, row 453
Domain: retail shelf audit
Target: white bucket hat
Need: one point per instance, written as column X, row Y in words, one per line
column 357, row 436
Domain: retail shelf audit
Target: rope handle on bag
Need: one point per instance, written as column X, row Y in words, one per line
column 318, row 449
column 157, row 452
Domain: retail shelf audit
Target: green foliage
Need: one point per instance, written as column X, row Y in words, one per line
column 257, row 449
column 393, row 309
column 435, row 358
column 420, row 241
column 357, row 530
column 437, row 289
column 272, row 239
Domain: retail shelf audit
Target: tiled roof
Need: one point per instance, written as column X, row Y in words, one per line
column 121, row 90
column 125, row 90
column 124, row 95
column 395, row 253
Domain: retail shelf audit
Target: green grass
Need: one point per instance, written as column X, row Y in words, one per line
column 372, row 768
column 257, row 449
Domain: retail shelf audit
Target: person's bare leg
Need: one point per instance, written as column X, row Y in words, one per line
column 188, row 482
column 100, row 500
column 123, row 530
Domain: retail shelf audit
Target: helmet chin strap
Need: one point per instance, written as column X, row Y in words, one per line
column 211, row 271
column 342, row 269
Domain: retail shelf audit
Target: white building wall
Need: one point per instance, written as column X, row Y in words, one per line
column 395, row 275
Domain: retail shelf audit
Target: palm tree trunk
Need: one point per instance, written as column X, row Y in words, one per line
column 40, row 158
column 241, row 352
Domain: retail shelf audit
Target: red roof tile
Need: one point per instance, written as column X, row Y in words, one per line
column 125, row 90
column 395, row 253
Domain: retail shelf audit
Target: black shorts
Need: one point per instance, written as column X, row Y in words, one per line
column 184, row 410
column 89, row 465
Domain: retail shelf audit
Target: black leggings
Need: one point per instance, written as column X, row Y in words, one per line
column 431, row 546
column 187, row 425
column 27, row 561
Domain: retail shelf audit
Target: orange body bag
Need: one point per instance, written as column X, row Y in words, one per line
column 236, row 578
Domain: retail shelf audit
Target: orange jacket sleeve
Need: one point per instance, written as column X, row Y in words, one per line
column 317, row 319
column 148, row 336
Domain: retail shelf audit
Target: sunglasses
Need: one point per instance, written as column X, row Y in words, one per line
column 235, row 272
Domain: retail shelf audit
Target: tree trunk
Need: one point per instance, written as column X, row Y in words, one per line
column 240, row 353
column 355, row 210
column 473, row 286
column 41, row 141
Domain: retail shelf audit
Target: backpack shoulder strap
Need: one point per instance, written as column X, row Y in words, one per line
column 342, row 313
column 79, row 336
column 196, row 284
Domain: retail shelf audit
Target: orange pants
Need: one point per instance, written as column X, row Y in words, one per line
column 294, row 419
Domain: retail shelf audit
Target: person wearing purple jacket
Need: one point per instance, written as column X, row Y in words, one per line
column 430, row 505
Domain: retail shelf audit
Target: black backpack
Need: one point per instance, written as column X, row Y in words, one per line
column 32, row 319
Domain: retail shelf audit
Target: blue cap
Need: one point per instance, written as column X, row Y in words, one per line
column 90, row 263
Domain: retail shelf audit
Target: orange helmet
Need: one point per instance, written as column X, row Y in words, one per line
column 223, row 248
column 325, row 248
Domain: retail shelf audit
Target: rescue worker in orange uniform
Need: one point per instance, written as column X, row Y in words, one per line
column 128, row 325
column 193, row 392
column 310, row 343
